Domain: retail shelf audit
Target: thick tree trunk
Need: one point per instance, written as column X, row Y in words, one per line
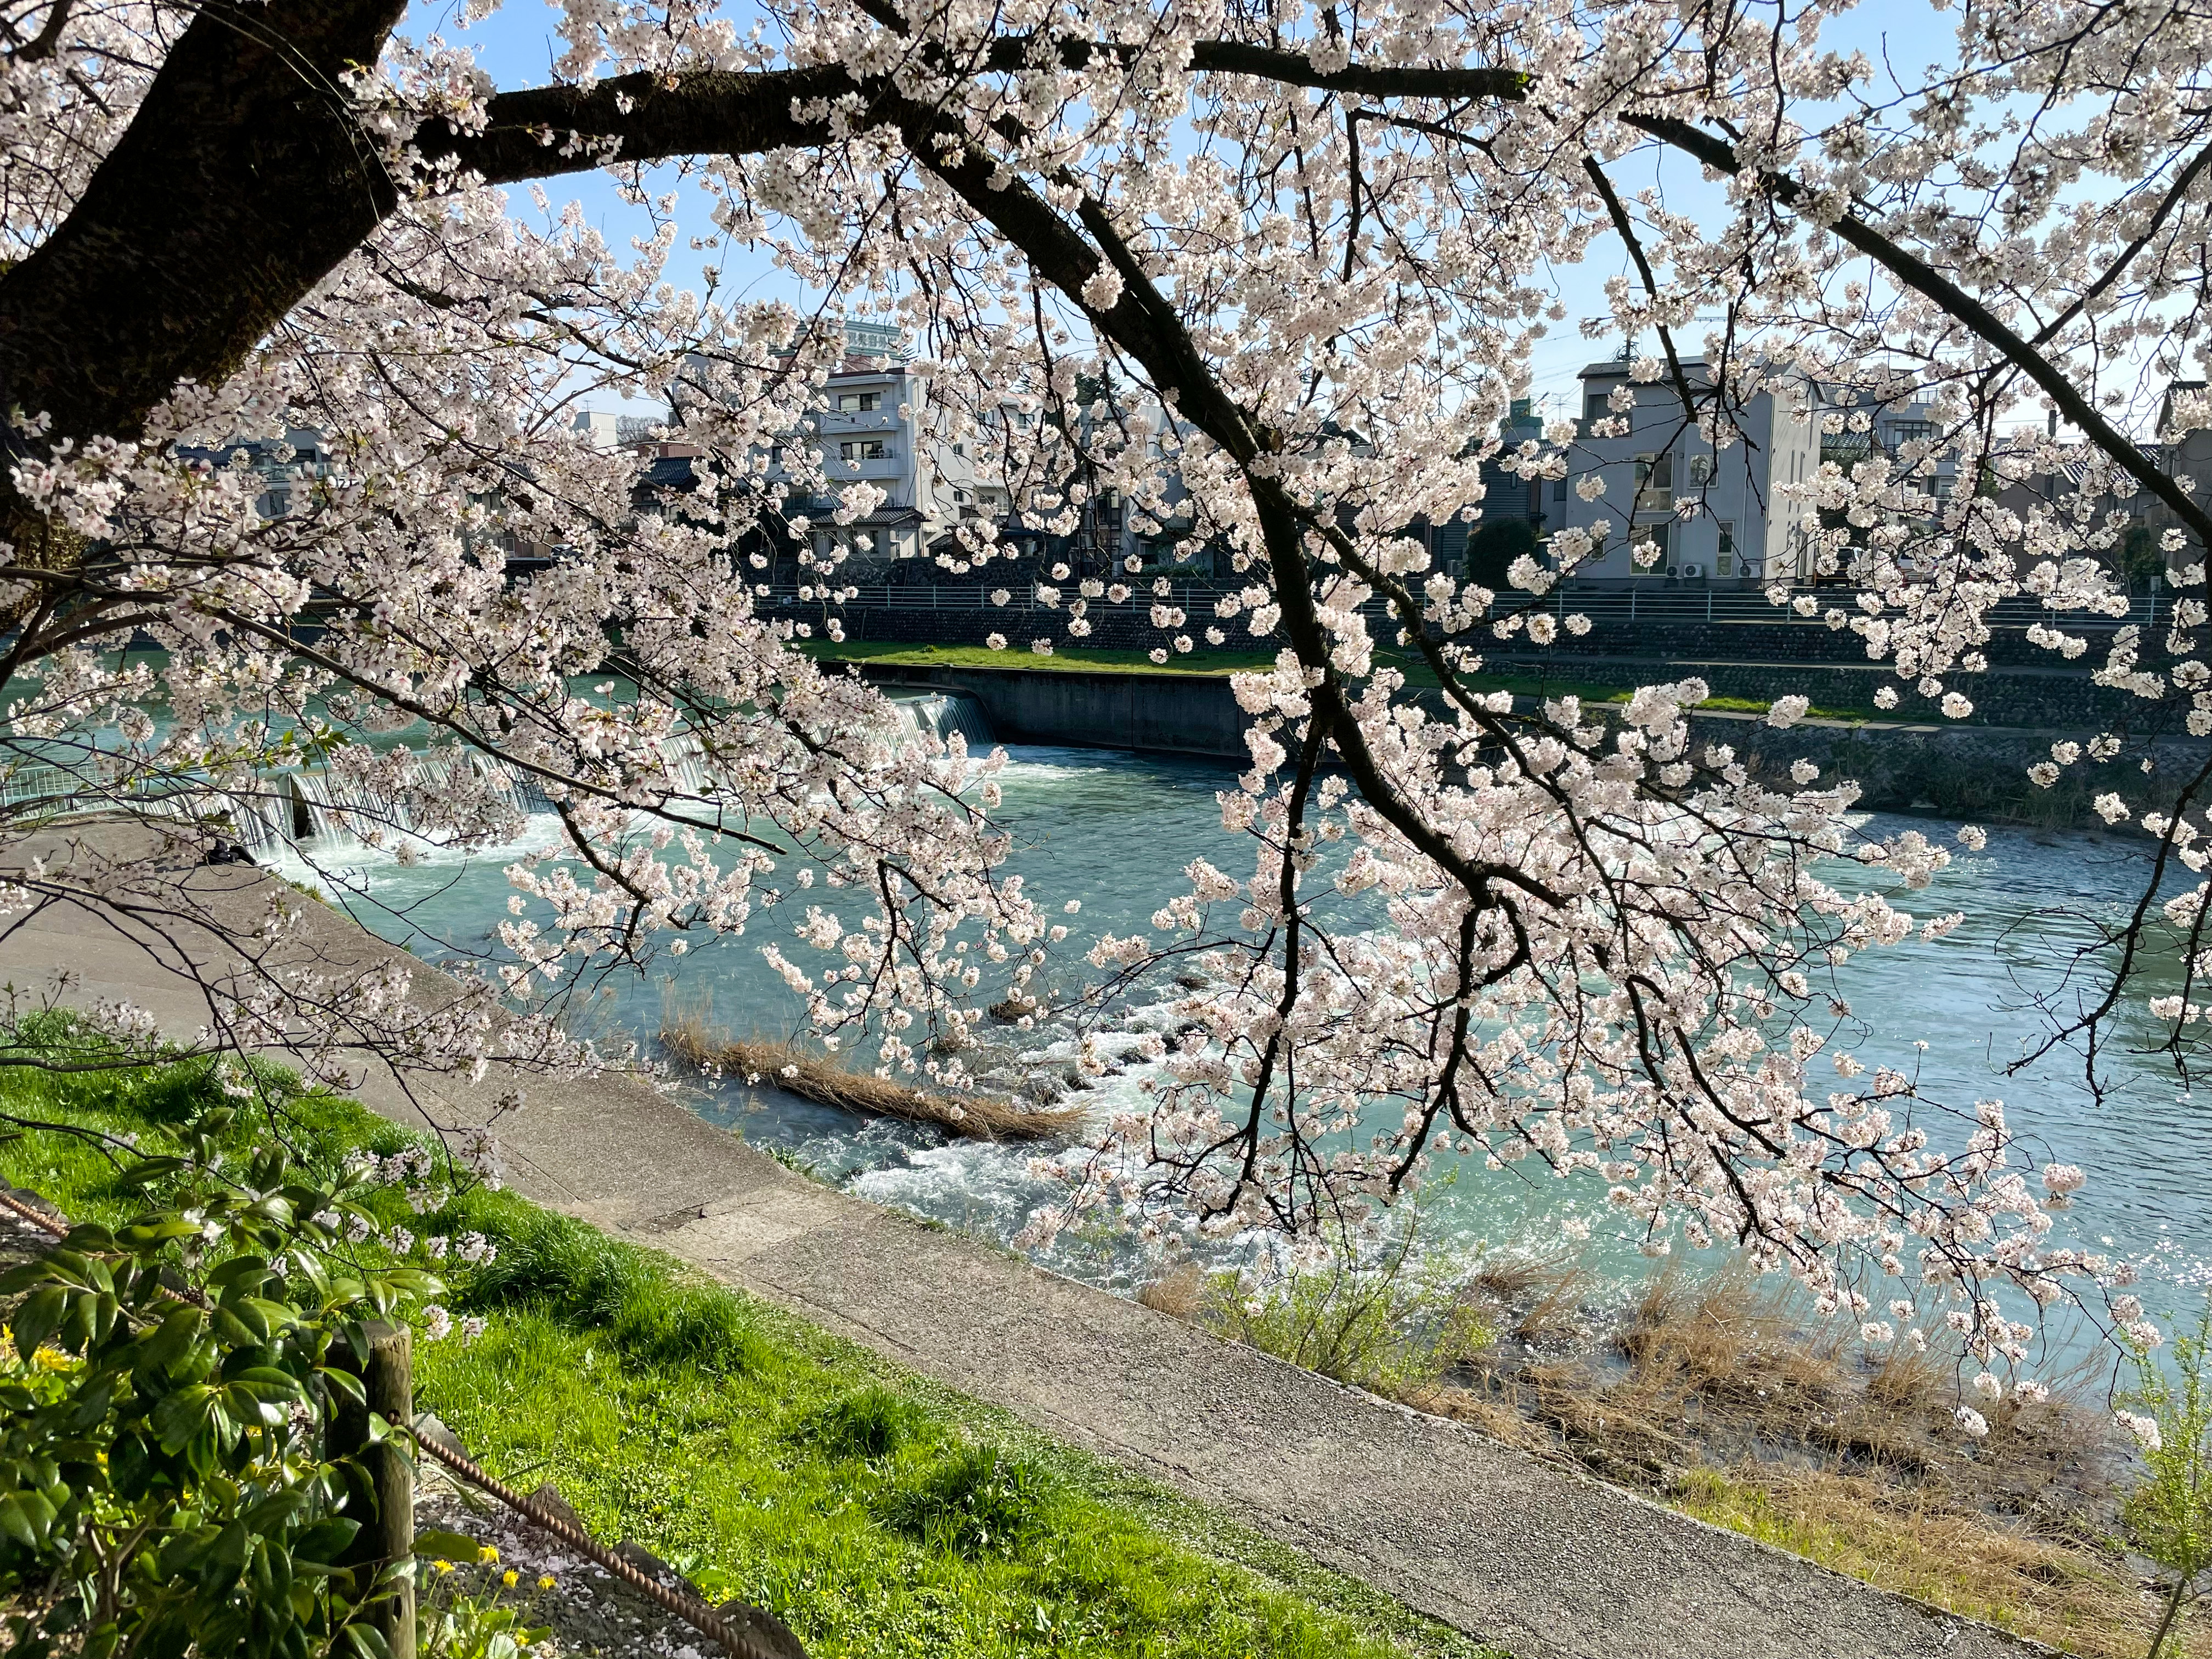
column 241, row 181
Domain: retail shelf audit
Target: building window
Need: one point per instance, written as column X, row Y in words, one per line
column 1701, row 470
column 1559, row 488
column 858, row 403
column 862, row 449
column 1725, row 562
column 1654, row 478
column 1905, row 432
column 1941, row 485
column 1661, row 532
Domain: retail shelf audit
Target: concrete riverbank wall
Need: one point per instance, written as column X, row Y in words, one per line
column 1171, row 713
column 1959, row 770
column 2024, row 685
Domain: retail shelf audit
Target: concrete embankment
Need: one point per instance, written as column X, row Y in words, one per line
column 1961, row 770
column 1538, row 1558
column 1171, row 713
column 2025, row 684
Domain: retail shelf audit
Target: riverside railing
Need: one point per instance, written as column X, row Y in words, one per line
column 1655, row 601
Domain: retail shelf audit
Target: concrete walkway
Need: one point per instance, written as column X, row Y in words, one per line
column 1509, row 1549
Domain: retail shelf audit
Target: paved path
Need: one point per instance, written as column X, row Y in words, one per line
column 1466, row 1530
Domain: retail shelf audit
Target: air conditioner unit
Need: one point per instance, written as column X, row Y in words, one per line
column 1690, row 572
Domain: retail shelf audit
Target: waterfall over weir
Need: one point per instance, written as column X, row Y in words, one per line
column 270, row 812
column 287, row 808
column 940, row 713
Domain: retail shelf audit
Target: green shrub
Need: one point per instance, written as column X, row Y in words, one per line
column 566, row 1269
column 2168, row 1517
column 550, row 1262
column 165, row 1483
column 693, row 1324
column 1381, row 1321
column 976, row 1500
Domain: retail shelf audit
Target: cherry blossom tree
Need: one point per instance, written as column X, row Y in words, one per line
column 1275, row 271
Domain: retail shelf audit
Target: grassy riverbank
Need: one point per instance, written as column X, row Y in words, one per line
column 1722, row 1397
column 1218, row 664
column 879, row 1514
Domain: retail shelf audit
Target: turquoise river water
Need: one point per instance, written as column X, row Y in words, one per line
column 1116, row 830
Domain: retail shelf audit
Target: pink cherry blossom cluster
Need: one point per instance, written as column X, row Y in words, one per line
column 1267, row 284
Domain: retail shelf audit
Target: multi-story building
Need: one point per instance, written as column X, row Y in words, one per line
column 2187, row 459
column 1507, row 497
column 285, row 470
column 1714, row 516
column 604, row 429
column 877, row 425
column 1887, row 428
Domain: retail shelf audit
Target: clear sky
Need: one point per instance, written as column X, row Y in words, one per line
column 518, row 43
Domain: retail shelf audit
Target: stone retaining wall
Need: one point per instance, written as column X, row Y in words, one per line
column 1174, row 713
column 2001, row 696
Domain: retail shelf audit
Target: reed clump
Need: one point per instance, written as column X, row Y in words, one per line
column 1376, row 1314
column 831, row 1081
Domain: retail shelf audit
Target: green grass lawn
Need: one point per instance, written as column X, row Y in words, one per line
column 1064, row 658
column 878, row 1513
column 1068, row 659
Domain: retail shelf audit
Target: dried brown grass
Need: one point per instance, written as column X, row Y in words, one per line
column 824, row 1078
column 1717, row 1395
column 2055, row 1589
column 1551, row 1310
column 1181, row 1293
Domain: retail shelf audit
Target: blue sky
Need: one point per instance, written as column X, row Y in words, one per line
column 518, row 43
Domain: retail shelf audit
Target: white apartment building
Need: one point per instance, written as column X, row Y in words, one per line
column 604, row 429
column 1713, row 516
column 2187, row 461
column 879, row 426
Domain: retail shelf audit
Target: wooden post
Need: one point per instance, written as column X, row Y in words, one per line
column 387, row 1534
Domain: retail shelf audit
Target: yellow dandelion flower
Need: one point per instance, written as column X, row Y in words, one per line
column 546, row 1582
column 509, row 1577
column 486, row 1553
column 441, row 1567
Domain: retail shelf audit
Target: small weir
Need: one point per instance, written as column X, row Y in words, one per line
column 275, row 811
column 940, row 713
column 287, row 808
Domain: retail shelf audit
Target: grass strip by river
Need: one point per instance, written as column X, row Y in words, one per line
column 1218, row 663
column 876, row 1512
